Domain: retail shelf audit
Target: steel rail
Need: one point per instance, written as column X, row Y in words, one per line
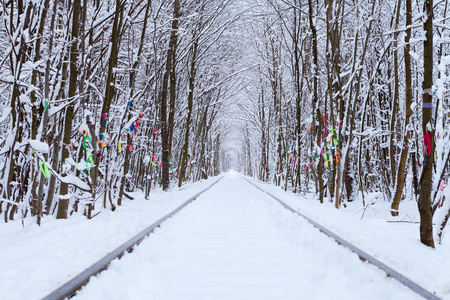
column 362, row 255
column 70, row 288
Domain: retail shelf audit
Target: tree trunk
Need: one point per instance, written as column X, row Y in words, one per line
column 185, row 149
column 126, row 165
column 64, row 188
column 172, row 98
column 164, row 129
column 317, row 116
column 425, row 210
column 407, row 134
column 395, row 100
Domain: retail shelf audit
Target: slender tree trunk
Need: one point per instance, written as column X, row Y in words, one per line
column 395, row 100
column 45, row 122
column 64, row 188
column 38, row 178
column 57, row 132
column 185, row 149
column 172, row 98
column 164, row 129
column 126, row 164
column 407, row 133
column 316, row 112
column 109, row 90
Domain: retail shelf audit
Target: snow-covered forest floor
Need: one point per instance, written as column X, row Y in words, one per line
column 36, row 260
column 372, row 229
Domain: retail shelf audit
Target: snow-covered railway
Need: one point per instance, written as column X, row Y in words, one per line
column 70, row 288
column 236, row 242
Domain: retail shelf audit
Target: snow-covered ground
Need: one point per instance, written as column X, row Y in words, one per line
column 233, row 242
column 35, row 261
column 372, row 229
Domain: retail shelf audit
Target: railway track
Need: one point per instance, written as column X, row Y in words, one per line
column 362, row 255
column 70, row 288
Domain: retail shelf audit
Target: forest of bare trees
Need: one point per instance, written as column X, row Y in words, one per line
column 339, row 98
column 350, row 98
column 95, row 96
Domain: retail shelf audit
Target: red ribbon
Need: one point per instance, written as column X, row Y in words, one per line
column 427, row 143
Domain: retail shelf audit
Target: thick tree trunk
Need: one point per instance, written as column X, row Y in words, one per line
column 425, row 209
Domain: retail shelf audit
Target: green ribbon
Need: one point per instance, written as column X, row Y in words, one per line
column 44, row 169
column 46, row 103
column 84, row 140
column 90, row 159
